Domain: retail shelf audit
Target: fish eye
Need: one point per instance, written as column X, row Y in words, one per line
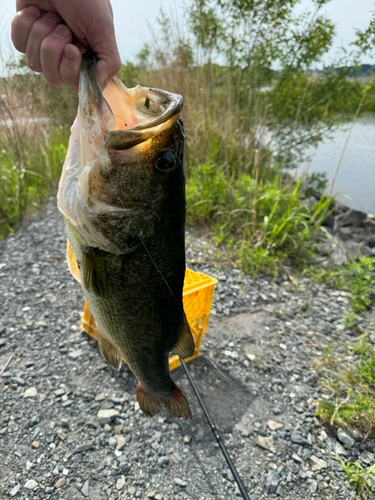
column 165, row 161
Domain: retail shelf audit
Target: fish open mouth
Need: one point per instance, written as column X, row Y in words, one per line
column 131, row 116
column 139, row 113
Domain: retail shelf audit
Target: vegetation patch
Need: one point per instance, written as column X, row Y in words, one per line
column 355, row 277
column 358, row 477
column 348, row 376
column 259, row 222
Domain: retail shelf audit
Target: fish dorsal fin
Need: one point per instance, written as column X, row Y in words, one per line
column 109, row 352
column 72, row 262
column 185, row 347
column 93, row 279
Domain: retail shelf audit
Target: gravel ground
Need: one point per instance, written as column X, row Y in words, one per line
column 256, row 376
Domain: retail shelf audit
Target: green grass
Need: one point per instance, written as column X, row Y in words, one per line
column 356, row 278
column 29, row 169
column 351, row 388
column 357, row 476
column 260, row 222
column 350, row 320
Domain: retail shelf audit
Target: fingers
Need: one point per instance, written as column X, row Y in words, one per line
column 70, row 66
column 41, row 29
column 21, row 26
column 52, row 49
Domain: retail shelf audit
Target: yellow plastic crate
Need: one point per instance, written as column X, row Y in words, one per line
column 197, row 300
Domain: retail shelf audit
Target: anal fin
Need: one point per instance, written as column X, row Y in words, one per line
column 109, row 352
column 185, row 347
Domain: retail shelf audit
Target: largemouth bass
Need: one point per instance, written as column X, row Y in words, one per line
column 122, row 195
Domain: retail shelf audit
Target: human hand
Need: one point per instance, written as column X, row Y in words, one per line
column 55, row 33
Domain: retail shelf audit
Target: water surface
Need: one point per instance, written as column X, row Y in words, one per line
column 355, row 183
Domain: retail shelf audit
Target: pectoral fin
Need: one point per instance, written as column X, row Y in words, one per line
column 93, row 278
column 109, row 352
column 185, row 347
column 72, row 262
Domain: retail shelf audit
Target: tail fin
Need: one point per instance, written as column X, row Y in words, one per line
column 175, row 403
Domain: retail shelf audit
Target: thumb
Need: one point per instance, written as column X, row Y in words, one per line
column 105, row 70
column 109, row 62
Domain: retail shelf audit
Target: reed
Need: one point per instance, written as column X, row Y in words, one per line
column 33, row 143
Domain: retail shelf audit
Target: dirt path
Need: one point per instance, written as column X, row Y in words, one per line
column 255, row 375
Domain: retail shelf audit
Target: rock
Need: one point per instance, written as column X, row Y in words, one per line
column 358, row 436
column 199, row 435
column 60, row 483
column 318, row 464
column 35, row 445
column 13, row 492
column 29, row 465
column 313, row 486
column 64, row 423
column 112, row 442
column 62, row 435
column 107, row 416
column 180, row 482
column 369, row 226
column 19, row 381
column 367, row 457
column 266, row 443
column 75, row 354
column 33, row 421
column 131, row 490
column 352, row 218
column 273, row 426
column 120, row 483
column 280, row 491
column 336, row 447
column 84, row 447
column 100, row 397
column 30, row 484
column 272, row 481
column 296, row 438
column 67, row 403
column 121, row 442
column 31, row 392
column 345, row 438
column 2, row 343
column 163, row 461
column 85, row 489
column 59, row 392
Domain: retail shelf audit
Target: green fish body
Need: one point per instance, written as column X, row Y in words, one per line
column 122, row 194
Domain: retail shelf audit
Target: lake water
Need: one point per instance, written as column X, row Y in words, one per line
column 355, row 183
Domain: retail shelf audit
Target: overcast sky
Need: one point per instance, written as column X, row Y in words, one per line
column 133, row 16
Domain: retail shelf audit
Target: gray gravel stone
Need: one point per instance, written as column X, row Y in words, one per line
column 345, row 438
column 252, row 318
column 298, row 439
column 180, row 482
column 107, row 416
column 273, row 480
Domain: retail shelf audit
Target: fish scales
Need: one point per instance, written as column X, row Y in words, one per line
column 122, row 194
